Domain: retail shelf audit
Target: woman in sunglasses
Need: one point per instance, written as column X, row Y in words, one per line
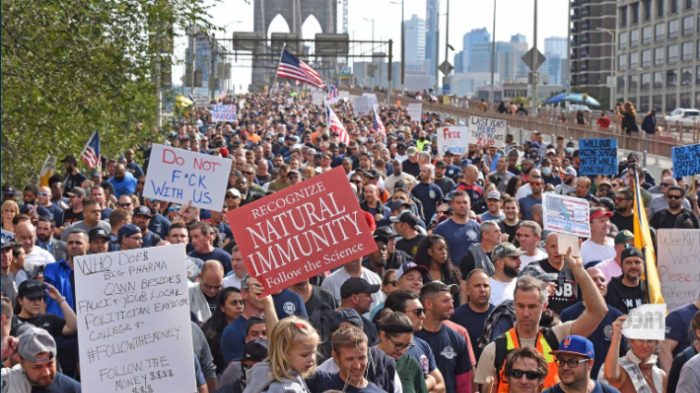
column 229, row 306
column 395, row 339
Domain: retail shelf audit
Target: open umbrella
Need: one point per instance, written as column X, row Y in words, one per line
column 556, row 99
column 581, row 99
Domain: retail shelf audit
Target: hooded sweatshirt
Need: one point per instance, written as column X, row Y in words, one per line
column 260, row 379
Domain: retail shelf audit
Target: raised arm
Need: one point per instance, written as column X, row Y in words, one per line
column 613, row 373
column 595, row 304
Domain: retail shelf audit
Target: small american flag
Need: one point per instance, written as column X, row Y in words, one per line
column 336, row 126
column 91, row 152
column 377, row 121
column 567, row 214
column 293, row 68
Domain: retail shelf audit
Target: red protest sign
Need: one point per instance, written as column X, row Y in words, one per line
column 301, row 231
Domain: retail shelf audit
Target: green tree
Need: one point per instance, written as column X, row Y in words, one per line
column 70, row 68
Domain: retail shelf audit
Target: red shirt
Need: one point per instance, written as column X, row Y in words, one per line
column 604, row 122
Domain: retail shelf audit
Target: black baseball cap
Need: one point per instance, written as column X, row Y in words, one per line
column 406, row 217
column 8, row 189
column 387, row 232
column 142, row 211
column 96, row 233
column 632, row 252
column 395, row 205
column 372, row 173
column 255, row 350
column 356, row 286
column 31, row 289
column 70, row 158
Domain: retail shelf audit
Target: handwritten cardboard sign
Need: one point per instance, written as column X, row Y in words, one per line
column 646, row 322
column 317, row 98
column 134, row 330
column 678, row 261
column 415, row 111
column 301, row 231
column 487, row 132
column 686, row 160
column 454, row 139
column 360, row 106
column 223, row 113
column 372, row 99
column 565, row 214
column 180, row 176
column 598, row 156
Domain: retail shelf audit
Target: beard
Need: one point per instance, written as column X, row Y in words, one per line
column 43, row 238
column 510, row 271
column 118, row 178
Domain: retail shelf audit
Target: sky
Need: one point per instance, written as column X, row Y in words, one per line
column 513, row 17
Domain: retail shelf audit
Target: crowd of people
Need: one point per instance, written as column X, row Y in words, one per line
column 466, row 292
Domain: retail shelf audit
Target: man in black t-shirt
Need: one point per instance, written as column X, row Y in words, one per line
column 73, row 176
column 314, row 296
column 627, row 292
column 406, row 224
column 668, row 217
column 623, row 216
column 509, row 225
column 566, row 294
column 473, row 315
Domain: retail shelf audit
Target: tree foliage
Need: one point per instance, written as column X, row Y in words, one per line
column 70, row 68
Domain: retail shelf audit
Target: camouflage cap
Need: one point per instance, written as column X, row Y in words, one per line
column 505, row 250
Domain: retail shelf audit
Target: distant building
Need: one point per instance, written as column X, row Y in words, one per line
column 518, row 38
column 459, row 62
column 415, row 39
column 202, row 61
column 555, row 47
column 468, row 41
column 432, row 36
column 468, row 84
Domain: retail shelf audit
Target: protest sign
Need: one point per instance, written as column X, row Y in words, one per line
column 598, row 156
column 290, row 100
column 646, row 322
column 344, row 94
column 678, row 261
column 317, row 98
column 47, row 170
column 454, row 139
column 8, row 236
column 372, row 99
column 487, row 132
column 565, row 214
column 301, row 231
column 202, row 101
column 360, row 106
column 181, row 176
column 134, row 329
column 415, row 111
column 223, row 113
column 686, row 160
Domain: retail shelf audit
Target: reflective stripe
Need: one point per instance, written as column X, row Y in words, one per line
column 546, row 349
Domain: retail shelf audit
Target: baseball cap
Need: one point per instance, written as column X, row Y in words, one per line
column 386, row 231
column 395, row 205
column 608, row 203
column 600, row 213
column 234, row 192
column 35, row 341
column 96, row 233
column 440, row 164
column 8, row 189
column 503, row 250
column 570, row 171
column 535, row 270
column 372, row 173
column 623, row 236
column 6, row 243
column 345, row 315
column 255, row 350
column 439, row 286
column 142, row 211
column 631, row 252
column 494, row 195
column 76, row 191
column 407, row 267
column 412, row 151
column 466, row 162
column 406, row 217
column 31, row 289
column 127, row 230
column 356, row 286
column 400, row 146
column 70, row 158
column 576, row 345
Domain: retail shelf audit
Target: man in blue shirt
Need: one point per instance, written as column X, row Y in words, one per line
column 123, row 184
column 141, row 218
column 159, row 224
column 526, row 203
column 131, row 165
column 459, row 231
column 201, row 236
column 427, row 192
column 678, row 336
column 473, row 315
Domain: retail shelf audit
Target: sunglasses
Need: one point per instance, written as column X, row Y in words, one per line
column 293, row 176
column 675, row 197
column 419, row 312
column 43, row 194
column 531, row 375
column 535, row 183
column 124, row 204
column 229, row 196
column 664, row 185
column 173, row 208
column 622, row 199
column 356, row 181
column 249, row 173
column 154, row 200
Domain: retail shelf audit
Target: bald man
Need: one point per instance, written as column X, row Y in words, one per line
column 44, row 199
column 469, row 184
column 203, row 294
column 124, row 182
column 36, row 256
column 373, row 205
column 131, row 165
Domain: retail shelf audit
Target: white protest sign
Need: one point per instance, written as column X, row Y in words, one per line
column 454, row 139
column 565, row 214
column 181, row 176
column 317, row 98
column 223, row 113
column 415, row 111
column 372, row 99
column 134, row 329
column 202, row 101
column 8, row 236
column 646, row 322
column 487, row 132
column 344, row 94
column 241, row 104
column 361, row 106
column 290, row 100
column 678, row 261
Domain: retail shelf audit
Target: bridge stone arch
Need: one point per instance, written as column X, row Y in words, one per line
column 325, row 11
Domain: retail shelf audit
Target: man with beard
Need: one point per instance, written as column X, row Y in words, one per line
column 575, row 359
column 509, row 225
column 675, row 211
column 569, row 184
column 446, row 184
column 506, row 262
column 141, row 218
column 623, row 216
column 501, row 176
column 314, row 297
column 45, row 239
column 73, row 176
column 566, row 293
column 628, row 291
column 123, row 184
column 376, row 261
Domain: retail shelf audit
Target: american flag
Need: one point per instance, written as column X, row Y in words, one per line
column 91, row 152
column 336, row 126
column 293, row 68
column 567, row 215
column 377, row 121
column 332, row 92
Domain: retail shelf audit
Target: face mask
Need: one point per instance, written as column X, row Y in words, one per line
column 280, row 140
column 546, row 171
column 569, row 150
column 421, row 138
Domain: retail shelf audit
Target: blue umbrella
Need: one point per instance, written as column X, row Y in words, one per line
column 556, row 99
column 579, row 98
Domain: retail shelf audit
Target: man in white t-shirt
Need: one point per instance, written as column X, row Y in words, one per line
column 25, row 233
column 506, row 261
column 613, row 267
column 238, row 269
column 599, row 247
column 354, row 268
column 529, row 234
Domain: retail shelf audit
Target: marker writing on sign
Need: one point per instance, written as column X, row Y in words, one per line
column 181, row 180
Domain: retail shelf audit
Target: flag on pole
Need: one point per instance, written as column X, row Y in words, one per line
column 293, row 68
column 377, row 121
column 91, row 152
column 642, row 240
column 336, row 126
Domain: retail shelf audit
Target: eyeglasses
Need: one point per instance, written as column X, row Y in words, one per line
column 43, row 194
column 249, row 173
column 124, row 204
column 400, row 347
column 531, row 375
column 392, row 283
column 675, row 197
column 173, row 208
column 419, row 311
column 572, row 363
column 214, row 287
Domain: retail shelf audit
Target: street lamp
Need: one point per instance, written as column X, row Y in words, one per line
column 493, row 57
column 612, row 63
column 403, row 41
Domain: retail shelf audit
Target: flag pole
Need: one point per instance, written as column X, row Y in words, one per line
column 639, row 206
column 278, row 69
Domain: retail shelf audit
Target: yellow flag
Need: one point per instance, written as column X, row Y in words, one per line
column 642, row 240
column 47, row 170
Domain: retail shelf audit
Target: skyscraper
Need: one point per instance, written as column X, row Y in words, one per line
column 555, row 46
column 468, row 41
column 518, row 38
column 415, row 39
column 432, row 37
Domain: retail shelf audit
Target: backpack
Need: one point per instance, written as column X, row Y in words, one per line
column 321, row 321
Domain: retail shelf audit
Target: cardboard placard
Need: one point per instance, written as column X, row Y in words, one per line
column 361, row 106
column 223, row 113
column 454, row 139
column 134, row 329
column 487, row 132
column 415, row 111
column 301, row 231
column 646, row 322
column 372, row 99
column 565, row 214
column 598, row 156
column 8, row 236
column 181, row 176
column 565, row 241
column 317, row 98
column 686, row 160
column 678, row 261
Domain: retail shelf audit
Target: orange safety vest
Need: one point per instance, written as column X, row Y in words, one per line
column 542, row 346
